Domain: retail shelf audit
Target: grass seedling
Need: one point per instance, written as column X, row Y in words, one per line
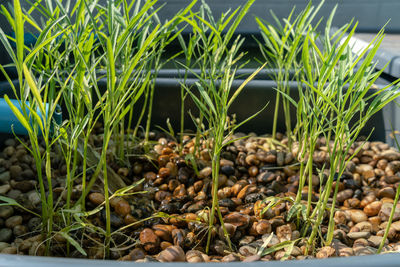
column 394, row 207
column 281, row 49
column 38, row 100
column 342, row 102
column 219, row 55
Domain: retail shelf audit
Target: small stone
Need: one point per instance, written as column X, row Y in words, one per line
column 20, row 230
column 325, row 252
column 385, row 211
column 5, row 234
column 246, row 240
column 5, row 177
column 346, row 252
column 252, row 258
column 137, row 254
column 345, row 194
column 13, row 221
column 357, row 215
column 4, row 189
column 205, row 172
column 247, row 250
column 34, row 198
column 15, row 172
column 165, row 244
column 6, row 211
column 357, row 235
column 149, row 240
column 230, row 258
column 284, row 232
column 375, row 240
column 387, row 192
column 122, row 207
column 34, row 223
column 3, row 245
column 237, row 219
column 9, row 250
column 24, row 186
column 263, row 227
column 362, row 227
column 14, row 194
column 390, row 155
column 172, row 254
column 194, row 256
column 96, row 198
column 164, row 231
column 361, row 250
column 373, row 208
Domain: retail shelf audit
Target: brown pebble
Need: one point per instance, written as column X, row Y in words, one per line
column 149, row 240
column 137, row 254
column 357, row 215
column 387, row 192
column 237, row 219
column 96, row 198
column 325, row 252
column 373, row 208
column 122, row 207
column 172, row 254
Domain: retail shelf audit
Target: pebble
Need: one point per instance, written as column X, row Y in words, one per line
column 4, row 189
column 149, row 240
column 385, row 211
column 387, row 192
column 122, row 207
column 205, row 172
column 13, row 221
column 373, row 208
column 172, row 254
column 9, row 250
column 343, row 195
column 252, row 258
column 357, row 235
column 6, row 211
column 34, row 198
column 136, row 254
column 5, row 177
column 3, row 245
column 15, row 172
column 375, row 240
column 96, row 198
column 237, row 219
column 357, row 215
column 5, row 234
column 20, row 230
column 194, row 256
column 361, row 251
column 230, row 258
column 248, row 250
column 24, row 186
column 325, row 252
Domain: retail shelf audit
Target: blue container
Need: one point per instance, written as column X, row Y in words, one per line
column 9, row 123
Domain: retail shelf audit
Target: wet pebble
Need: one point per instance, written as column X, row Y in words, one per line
column 237, row 219
column 373, row 208
column 96, row 198
column 149, row 240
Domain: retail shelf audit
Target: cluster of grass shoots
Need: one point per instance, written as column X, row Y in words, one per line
column 336, row 100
